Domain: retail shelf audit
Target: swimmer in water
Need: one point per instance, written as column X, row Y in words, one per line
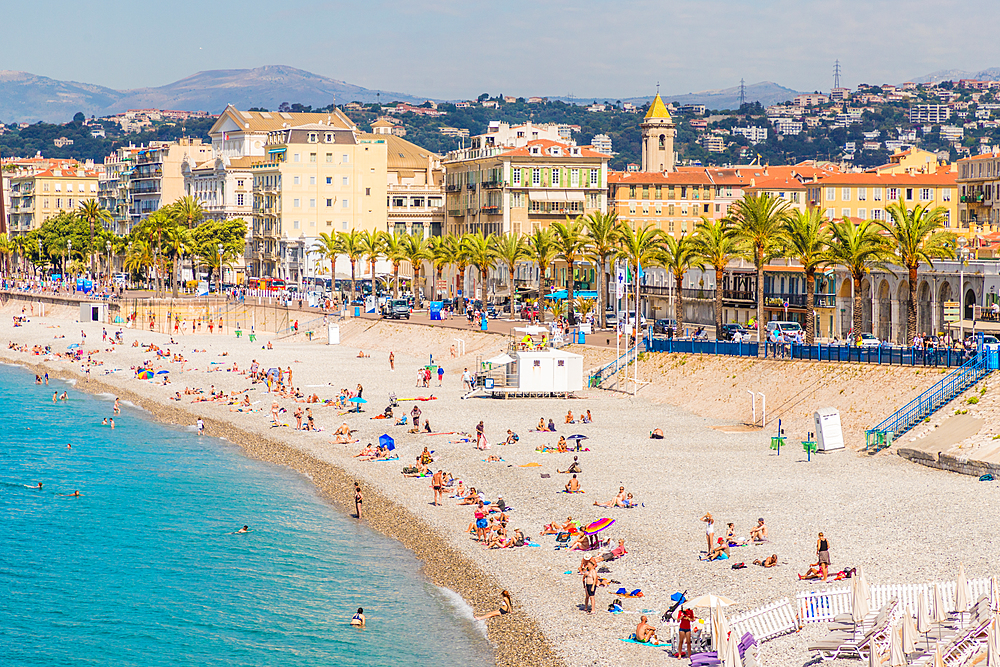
column 70, row 495
column 69, row 446
column 65, row 396
column 55, row 396
column 358, row 620
column 117, row 408
column 39, row 487
column 244, row 529
column 105, row 422
column 112, row 423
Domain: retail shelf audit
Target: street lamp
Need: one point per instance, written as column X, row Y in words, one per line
column 963, row 254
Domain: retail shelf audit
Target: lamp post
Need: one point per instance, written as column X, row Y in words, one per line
column 963, row 253
column 39, row 255
column 107, row 244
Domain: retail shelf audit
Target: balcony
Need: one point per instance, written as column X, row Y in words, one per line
column 972, row 199
column 493, row 184
column 453, row 188
column 471, row 186
column 491, row 210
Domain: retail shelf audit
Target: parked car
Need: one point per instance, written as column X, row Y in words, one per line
column 396, row 309
column 991, row 343
column 869, row 340
column 783, row 327
column 730, row 330
column 661, row 326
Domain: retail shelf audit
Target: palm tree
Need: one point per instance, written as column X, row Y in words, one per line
column 602, row 236
column 715, row 242
column 858, row 248
column 392, row 247
column 583, row 306
column 372, row 243
column 678, row 255
column 18, row 246
column 6, row 250
column 758, row 222
column 542, row 251
column 327, row 247
column 187, row 211
column 177, row 242
column 139, row 257
column 91, row 211
column 460, row 259
column 442, row 252
column 511, row 251
column 349, row 243
column 572, row 243
column 639, row 247
column 154, row 230
column 482, row 251
column 416, row 249
column 806, row 240
column 218, row 261
column 919, row 237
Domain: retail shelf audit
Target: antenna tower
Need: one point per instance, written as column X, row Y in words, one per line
column 836, row 74
column 743, row 93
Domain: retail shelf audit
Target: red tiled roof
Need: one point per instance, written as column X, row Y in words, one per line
column 548, row 143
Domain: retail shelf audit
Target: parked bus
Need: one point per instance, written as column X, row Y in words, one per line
column 267, row 284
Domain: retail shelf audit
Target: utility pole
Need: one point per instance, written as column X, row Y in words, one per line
column 836, row 74
column 743, row 93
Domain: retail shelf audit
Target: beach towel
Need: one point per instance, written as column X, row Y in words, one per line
column 632, row 640
column 530, row 465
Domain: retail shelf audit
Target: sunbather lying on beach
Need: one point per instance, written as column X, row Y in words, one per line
column 617, row 501
column 343, row 434
column 815, row 571
column 770, row 561
column 656, row 434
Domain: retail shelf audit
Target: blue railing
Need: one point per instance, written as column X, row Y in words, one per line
column 607, row 370
column 939, row 394
column 697, row 346
column 898, row 356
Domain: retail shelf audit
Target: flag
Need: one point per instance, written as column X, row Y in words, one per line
column 620, row 279
column 640, row 271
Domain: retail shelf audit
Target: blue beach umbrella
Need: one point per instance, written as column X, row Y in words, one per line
column 161, row 372
column 356, row 399
column 385, row 440
column 73, row 346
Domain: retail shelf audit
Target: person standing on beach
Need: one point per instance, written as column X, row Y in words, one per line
column 823, row 555
column 467, row 379
column 440, row 375
column 415, row 417
column 590, row 588
column 437, row 483
column 709, row 530
column 358, row 498
column 201, row 426
column 298, row 418
column 392, row 361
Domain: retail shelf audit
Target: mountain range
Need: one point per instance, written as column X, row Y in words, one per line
column 29, row 98
column 991, row 74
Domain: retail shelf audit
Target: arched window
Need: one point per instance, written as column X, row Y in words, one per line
column 662, row 140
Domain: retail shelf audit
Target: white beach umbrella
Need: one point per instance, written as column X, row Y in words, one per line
column 938, row 613
column 938, row 659
column 874, row 659
column 994, row 594
column 897, row 656
column 859, row 600
column 993, row 642
column 710, row 601
column 923, row 617
column 909, row 632
column 720, row 630
column 962, row 594
column 731, row 654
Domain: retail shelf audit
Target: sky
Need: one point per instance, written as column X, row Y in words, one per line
column 456, row 49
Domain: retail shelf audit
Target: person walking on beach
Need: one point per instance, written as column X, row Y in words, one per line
column 709, row 530
column 823, row 555
column 392, row 361
column 201, row 425
column 467, row 379
column 415, row 418
column 358, row 499
column 437, row 483
column 590, row 588
column 685, row 617
column 440, row 375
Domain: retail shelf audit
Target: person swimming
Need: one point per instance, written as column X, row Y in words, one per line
column 244, row 529
column 358, row 620
column 30, row 486
column 69, row 495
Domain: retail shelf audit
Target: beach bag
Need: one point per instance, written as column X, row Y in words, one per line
column 615, row 606
column 562, row 537
column 986, row 478
column 409, row 470
column 739, row 566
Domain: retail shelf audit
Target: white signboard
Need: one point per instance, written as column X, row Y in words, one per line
column 333, row 334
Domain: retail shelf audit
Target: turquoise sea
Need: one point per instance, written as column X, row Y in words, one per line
column 144, row 569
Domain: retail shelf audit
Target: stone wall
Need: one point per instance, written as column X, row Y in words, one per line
column 959, row 464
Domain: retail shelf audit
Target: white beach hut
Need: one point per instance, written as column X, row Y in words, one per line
column 550, row 370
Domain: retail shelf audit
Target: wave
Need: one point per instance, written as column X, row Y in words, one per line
column 13, row 365
column 71, row 382
column 461, row 608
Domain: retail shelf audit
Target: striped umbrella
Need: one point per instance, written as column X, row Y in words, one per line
column 597, row 526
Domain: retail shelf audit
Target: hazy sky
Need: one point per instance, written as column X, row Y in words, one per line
column 458, row 49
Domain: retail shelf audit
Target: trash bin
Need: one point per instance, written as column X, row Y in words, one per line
column 357, row 311
column 582, row 338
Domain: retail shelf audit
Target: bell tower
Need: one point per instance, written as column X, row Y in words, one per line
column 658, row 132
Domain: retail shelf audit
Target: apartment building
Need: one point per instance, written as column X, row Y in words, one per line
column 754, row 135
column 38, row 193
column 157, row 179
column 415, row 188
column 979, row 192
column 113, row 187
column 496, row 188
column 865, row 196
column 671, row 202
column 316, row 178
column 935, row 114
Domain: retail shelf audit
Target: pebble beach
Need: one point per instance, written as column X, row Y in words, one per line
column 903, row 523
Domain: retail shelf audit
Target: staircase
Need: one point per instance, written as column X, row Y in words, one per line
column 929, row 402
column 599, row 375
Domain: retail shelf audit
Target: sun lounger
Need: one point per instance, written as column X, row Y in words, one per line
column 711, row 658
column 839, row 644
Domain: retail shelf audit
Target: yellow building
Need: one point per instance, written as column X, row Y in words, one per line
column 37, row 194
column 316, row 178
column 912, row 160
column 865, row 196
column 979, row 192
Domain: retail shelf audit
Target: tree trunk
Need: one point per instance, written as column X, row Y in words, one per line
column 911, row 308
column 176, row 279
column 460, row 289
column 858, row 305
column 354, row 286
column 482, row 287
column 570, row 316
column 810, row 307
column 760, row 306
column 718, row 304
column 511, row 306
column 415, row 287
column 603, row 305
column 395, row 280
column 541, row 293
column 91, row 248
column 678, row 302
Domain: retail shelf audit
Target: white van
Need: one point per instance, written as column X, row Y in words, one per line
column 783, row 328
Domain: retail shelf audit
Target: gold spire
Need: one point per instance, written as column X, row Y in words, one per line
column 658, row 110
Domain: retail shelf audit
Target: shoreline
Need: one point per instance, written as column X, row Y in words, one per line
column 516, row 640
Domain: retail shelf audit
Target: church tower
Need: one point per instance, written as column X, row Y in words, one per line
column 658, row 132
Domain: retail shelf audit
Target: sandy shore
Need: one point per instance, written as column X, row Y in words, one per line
column 898, row 520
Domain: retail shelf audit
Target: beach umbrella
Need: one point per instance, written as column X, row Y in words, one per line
column 731, row 654
column 993, row 642
column 961, row 591
column 859, row 600
column 710, row 601
column 720, row 630
column 909, row 632
column 938, row 659
column 356, row 399
column 938, row 613
column 597, row 526
column 145, row 375
column 897, row 657
column 923, row 618
column 874, row 660
column 994, row 594
column 161, row 372
column 385, row 440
